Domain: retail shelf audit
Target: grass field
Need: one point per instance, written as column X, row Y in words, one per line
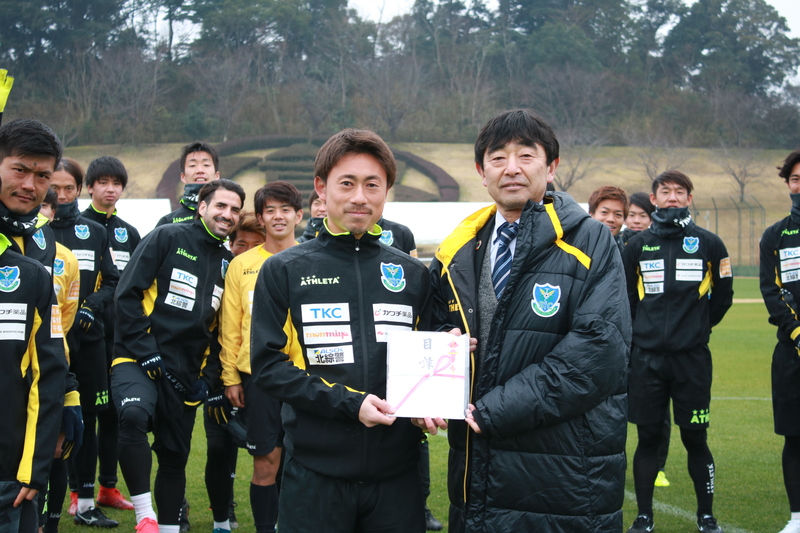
column 749, row 494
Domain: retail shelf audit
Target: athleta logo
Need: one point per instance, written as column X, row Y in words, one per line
column 314, row 280
column 184, row 253
column 790, row 232
column 126, row 400
column 700, row 416
column 646, row 248
column 102, row 398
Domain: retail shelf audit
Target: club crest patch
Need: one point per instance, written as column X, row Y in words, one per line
column 9, row 279
column 224, row 269
column 386, row 237
column 39, row 239
column 82, row 231
column 691, row 244
column 545, row 302
column 58, row 267
column 392, row 277
column 121, row 234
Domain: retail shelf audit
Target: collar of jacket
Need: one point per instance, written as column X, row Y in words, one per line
column 671, row 221
column 4, row 243
column 66, row 215
column 209, row 237
column 191, row 192
column 101, row 217
column 367, row 245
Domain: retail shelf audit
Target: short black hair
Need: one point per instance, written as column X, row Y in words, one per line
column 311, row 197
column 106, row 166
column 788, row 164
column 199, row 146
column 353, row 141
column 282, row 191
column 522, row 126
column 209, row 189
column 28, row 137
column 642, row 201
column 51, row 198
column 673, row 176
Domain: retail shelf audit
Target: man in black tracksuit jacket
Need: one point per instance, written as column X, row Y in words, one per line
column 543, row 445
column 199, row 165
column 166, row 305
column 780, row 287
column 680, row 285
column 354, row 466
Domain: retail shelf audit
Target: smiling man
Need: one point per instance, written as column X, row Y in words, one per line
column 609, row 205
column 199, row 165
column 166, row 305
column 680, row 285
column 537, row 282
column 353, row 465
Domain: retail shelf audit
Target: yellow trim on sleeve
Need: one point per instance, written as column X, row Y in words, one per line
column 793, row 335
column 25, row 470
column 120, row 360
column 72, row 399
column 345, row 386
column 707, row 282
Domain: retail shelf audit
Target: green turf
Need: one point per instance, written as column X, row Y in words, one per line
column 746, row 288
column 750, row 495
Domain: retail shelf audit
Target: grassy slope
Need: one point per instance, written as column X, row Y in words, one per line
column 613, row 165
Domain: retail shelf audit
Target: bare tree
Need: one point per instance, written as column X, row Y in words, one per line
column 740, row 164
column 391, row 85
column 81, row 89
column 576, row 163
column 655, row 151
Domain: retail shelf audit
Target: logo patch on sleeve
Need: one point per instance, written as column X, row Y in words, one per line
column 56, row 328
column 545, row 301
column 725, row 268
column 58, row 267
column 392, row 277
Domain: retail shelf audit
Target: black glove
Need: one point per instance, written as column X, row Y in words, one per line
column 199, row 392
column 153, row 366
column 72, row 420
column 218, row 406
column 85, row 318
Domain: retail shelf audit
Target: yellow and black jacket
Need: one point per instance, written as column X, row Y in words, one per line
column 679, row 281
column 34, row 369
column 780, row 269
column 550, row 391
column 341, row 295
column 167, row 300
column 188, row 208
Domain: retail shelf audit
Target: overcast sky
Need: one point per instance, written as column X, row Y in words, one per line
column 371, row 9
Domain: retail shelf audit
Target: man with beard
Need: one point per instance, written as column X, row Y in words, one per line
column 680, row 285
column 86, row 340
column 199, row 165
column 166, row 306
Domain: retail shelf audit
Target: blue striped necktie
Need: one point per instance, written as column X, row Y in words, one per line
column 502, row 264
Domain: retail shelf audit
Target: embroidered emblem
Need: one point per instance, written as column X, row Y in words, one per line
column 224, row 269
column 39, row 239
column 691, row 244
column 82, row 231
column 386, row 237
column 121, row 234
column 392, row 277
column 9, row 279
column 58, row 267
column 545, row 302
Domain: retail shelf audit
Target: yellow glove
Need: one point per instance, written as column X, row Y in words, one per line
column 6, row 82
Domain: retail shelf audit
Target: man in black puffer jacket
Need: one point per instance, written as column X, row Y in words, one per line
column 543, row 445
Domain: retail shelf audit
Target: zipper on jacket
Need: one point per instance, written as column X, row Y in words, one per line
column 364, row 347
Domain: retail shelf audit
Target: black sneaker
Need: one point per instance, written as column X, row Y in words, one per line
column 183, row 517
column 232, row 516
column 708, row 524
column 94, row 517
column 431, row 524
column 642, row 524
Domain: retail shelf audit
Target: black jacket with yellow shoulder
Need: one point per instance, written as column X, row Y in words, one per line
column 550, row 392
